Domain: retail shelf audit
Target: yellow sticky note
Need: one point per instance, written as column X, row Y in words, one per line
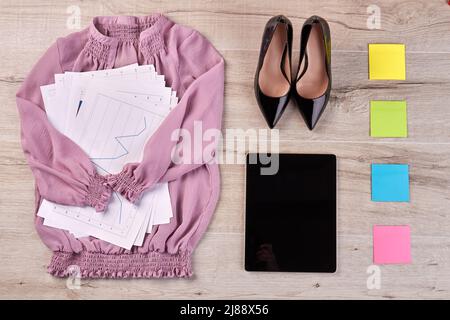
column 387, row 61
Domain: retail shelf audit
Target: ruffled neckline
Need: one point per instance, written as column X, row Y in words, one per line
column 107, row 32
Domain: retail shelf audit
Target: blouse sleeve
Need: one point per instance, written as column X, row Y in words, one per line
column 197, row 116
column 64, row 174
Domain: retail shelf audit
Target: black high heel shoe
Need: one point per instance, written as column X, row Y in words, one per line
column 273, row 74
column 313, row 81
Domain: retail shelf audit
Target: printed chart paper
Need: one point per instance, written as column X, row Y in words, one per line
column 111, row 114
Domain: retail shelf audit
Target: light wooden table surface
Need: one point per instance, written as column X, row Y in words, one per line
column 28, row 27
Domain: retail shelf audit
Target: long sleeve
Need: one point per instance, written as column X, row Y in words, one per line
column 197, row 117
column 64, row 174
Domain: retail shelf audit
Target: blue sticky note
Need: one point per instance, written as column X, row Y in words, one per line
column 390, row 182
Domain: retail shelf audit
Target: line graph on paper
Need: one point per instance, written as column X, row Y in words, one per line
column 123, row 131
column 113, row 129
column 121, row 141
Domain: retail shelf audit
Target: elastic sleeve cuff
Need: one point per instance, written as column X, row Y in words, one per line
column 98, row 193
column 125, row 184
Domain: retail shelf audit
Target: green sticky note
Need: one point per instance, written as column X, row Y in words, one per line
column 387, row 61
column 388, row 119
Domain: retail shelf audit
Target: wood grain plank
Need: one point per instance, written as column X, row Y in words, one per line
column 346, row 117
column 219, row 274
column 219, row 258
column 421, row 25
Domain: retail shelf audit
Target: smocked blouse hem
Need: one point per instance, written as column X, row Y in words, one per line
column 132, row 265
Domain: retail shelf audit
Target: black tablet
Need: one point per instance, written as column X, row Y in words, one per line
column 290, row 223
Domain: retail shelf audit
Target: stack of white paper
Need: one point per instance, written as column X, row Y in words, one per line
column 111, row 114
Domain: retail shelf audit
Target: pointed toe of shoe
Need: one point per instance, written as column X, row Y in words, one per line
column 312, row 109
column 272, row 107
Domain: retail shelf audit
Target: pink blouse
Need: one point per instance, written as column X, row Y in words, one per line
column 64, row 173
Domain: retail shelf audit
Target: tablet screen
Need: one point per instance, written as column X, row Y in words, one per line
column 290, row 220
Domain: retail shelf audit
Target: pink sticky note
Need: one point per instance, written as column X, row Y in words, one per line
column 391, row 245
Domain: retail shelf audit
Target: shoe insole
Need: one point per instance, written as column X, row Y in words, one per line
column 271, row 80
column 314, row 81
